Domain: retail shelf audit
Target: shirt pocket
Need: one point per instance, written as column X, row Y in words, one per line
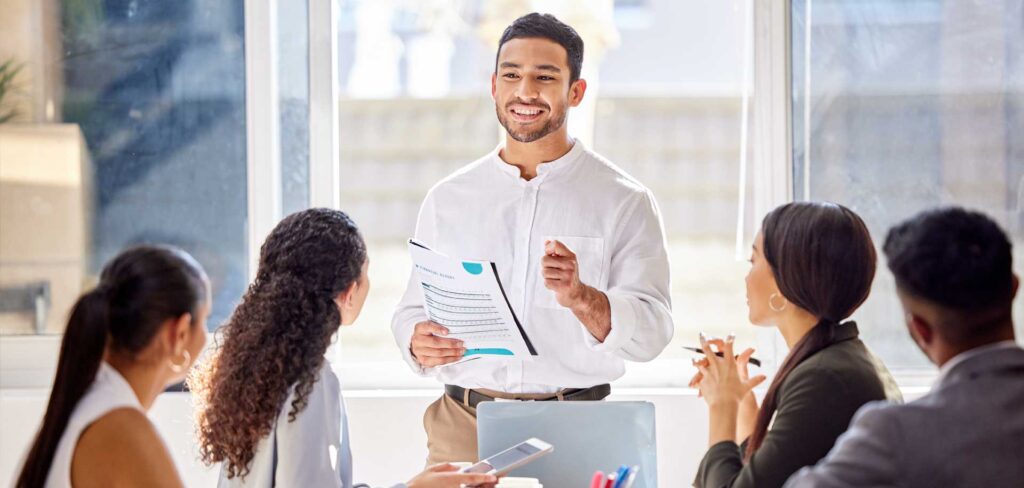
column 590, row 262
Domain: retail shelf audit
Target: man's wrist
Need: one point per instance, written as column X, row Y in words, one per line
column 586, row 300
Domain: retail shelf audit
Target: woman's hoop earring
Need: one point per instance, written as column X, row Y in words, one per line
column 180, row 368
column 771, row 302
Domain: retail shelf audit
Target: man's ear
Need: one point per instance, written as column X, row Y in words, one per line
column 494, row 86
column 920, row 329
column 1016, row 286
column 576, row 92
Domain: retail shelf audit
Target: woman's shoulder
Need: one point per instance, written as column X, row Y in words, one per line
column 845, row 366
column 123, row 437
column 324, row 395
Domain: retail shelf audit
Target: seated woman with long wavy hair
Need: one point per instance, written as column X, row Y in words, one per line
column 811, row 268
column 269, row 405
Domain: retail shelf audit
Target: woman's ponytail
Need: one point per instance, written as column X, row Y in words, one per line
column 80, row 354
column 139, row 291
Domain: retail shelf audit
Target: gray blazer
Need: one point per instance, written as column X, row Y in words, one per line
column 967, row 432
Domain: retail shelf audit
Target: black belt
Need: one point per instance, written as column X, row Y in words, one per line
column 598, row 392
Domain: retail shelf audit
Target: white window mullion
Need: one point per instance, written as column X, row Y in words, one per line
column 324, row 170
column 773, row 153
column 263, row 135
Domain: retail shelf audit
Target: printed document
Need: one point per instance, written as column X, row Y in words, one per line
column 468, row 299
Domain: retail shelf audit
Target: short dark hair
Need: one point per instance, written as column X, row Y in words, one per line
column 955, row 258
column 546, row 26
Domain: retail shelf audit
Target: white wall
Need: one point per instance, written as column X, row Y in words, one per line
column 388, row 443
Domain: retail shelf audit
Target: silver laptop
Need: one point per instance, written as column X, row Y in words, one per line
column 587, row 436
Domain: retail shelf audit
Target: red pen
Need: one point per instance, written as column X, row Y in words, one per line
column 598, row 480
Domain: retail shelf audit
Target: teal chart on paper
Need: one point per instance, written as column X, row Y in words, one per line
column 467, row 297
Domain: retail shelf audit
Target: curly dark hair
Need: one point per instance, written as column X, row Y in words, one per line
column 277, row 336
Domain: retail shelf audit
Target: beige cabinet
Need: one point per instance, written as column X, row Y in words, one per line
column 45, row 209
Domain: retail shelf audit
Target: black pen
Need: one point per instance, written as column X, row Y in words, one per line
column 753, row 360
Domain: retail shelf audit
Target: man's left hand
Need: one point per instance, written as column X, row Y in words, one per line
column 561, row 274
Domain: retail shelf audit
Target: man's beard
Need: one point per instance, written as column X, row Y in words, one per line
column 553, row 124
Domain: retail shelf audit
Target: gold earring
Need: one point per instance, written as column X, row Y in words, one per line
column 771, row 302
column 180, row 368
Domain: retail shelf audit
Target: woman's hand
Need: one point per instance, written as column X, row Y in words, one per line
column 748, row 408
column 720, row 381
column 724, row 388
column 448, row 476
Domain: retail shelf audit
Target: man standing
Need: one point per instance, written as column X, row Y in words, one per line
column 578, row 243
column 954, row 277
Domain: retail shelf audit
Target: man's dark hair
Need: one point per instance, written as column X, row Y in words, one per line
column 546, row 26
column 957, row 259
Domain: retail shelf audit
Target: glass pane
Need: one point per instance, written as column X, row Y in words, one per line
column 416, row 106
column 293, row 84
column 130, row 129
column 909, row 105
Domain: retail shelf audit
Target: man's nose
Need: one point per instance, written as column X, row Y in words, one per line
column 526, row 90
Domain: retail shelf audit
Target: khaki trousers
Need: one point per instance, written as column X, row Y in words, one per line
column 451, row 426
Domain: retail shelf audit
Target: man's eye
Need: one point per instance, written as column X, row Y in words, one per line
column 511, row 76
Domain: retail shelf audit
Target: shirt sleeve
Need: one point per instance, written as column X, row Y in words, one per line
column 409, row 311
column 863, row 456
column 814, row 410
column 312, row 450
column 638, row 287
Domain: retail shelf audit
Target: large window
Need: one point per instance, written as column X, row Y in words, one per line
column 903, row 106
column 129, row 127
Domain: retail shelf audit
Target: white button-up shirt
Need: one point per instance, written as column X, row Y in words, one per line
column 486, row 211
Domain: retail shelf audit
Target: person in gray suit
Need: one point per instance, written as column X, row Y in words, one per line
column 954, row 277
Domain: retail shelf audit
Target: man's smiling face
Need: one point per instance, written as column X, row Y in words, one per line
column 531, row 88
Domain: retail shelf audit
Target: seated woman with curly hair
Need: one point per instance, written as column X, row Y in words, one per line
column 270, row 407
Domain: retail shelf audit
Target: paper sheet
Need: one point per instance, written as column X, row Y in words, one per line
column 467, row 298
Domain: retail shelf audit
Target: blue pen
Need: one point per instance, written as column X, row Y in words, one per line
column 620, row 476
column 631, row 478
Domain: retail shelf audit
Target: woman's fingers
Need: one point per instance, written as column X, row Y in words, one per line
column 696, row 379
column 726, row 348
column 742, row 362
column 757, row 380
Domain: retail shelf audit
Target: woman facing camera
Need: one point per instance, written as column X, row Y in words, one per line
column 811, row 268
column 270, row 407
column 126, row 341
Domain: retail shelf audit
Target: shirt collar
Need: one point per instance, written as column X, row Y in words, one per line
column 972, row 353
column 551, row 167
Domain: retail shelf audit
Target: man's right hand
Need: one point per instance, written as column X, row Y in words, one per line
column 431, row 350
